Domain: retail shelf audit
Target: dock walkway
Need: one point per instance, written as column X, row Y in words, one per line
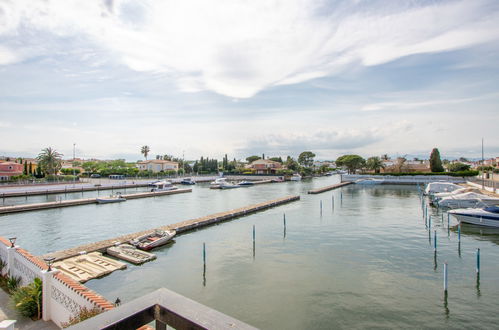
column 327, row 188
column 180, row 227
column 82, row 201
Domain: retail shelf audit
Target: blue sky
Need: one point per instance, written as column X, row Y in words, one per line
column 238, row 77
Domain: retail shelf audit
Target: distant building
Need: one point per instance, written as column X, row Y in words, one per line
column 10, row 169
column 157, row 165
column 265, row 166
column 392, row 166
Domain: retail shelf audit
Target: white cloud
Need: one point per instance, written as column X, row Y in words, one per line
column 238, row 48
column 7, row 56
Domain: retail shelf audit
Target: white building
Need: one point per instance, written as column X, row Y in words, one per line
column 157, row 165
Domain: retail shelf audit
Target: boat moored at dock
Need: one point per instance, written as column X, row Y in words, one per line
column 295, row 177
column 163, row 186
column 110, row 199
column 153, row 239
column 246, row 183
column 187, row 181
column 466, row 200
column 487, row 216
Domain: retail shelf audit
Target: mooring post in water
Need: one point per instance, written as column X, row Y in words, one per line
column 442, row 216
column 321, row 206
column 429, row 222
column 478, row 261
column 435, row 242
column 284, row 221
column 204, row 254
column 445, row 277
column 253, row 234
column 459, row 233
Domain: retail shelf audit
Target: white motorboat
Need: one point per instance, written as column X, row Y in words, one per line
column 469, row 199
column 229, row 185
column 163, row 186
column 218, row 182
column 488, row 216
column 153, row 239
column 246, row 183
column 438, row 196
column 110, row 199
column 438, row 187
column 295, row 177
column 188, row 181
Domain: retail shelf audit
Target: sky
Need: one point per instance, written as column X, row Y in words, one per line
column 206, row 78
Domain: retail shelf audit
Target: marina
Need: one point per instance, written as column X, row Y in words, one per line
column 357, row 248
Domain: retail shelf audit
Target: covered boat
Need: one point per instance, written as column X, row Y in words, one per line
column 187, row 181
column 154, row 239
column 217, row 183
column 438, row 187
column 438, row 196
column 295, row 177
column 469, row 199
column 130, row 253
column 488, row 216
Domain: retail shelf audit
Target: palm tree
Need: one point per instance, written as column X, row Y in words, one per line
column 145, row 151
column 50, row 161
column 375, row 164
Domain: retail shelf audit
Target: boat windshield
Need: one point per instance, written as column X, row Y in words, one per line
column 492, row 209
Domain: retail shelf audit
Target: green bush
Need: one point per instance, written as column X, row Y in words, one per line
column 27, row 300
column 82, row 315
column 12, row 282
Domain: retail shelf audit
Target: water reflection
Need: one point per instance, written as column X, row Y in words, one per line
column 490, row 234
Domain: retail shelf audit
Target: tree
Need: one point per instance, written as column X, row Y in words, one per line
column 351, row 162
column 375, row 163
column 458, row 167
column 385, row 157
column 435, row 162
column 50, row 161
column 251, row 159
column 292, row 164
column 145, row 151
column 306, row 158
column 276, row 159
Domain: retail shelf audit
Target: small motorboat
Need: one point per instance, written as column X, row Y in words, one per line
column 369, row 181
column 438, row 196
column 110, row 199
column 487, row 216
column 217, row 183
column 439, row 187
column 229, row 185
column 246, row 183
column 154, row 239
column 163, row 186
column 278, row 179
column 466, row 200
column 187, row 181
column 295, row 177
column 130, row 253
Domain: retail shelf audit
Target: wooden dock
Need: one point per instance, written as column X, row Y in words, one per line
column 180, row 227
column 67, row 190
column 82, row 201
column 327, row 188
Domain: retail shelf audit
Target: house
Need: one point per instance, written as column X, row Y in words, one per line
column 10, row 169
column 397, row 165
column 157, row 165
column 265, row 166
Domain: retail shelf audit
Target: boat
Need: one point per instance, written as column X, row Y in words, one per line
column 438, row 187
column 153, row 239
column 88, row 266
column 246, row 183
column 187, row 181
column 229, row 185
column 466, row 200
column 163, row 186
column 487, row 216
column 130, row 253
column 278, row 179
column 295, row 177
column 217, row 183
column 438, row 196
column 111, row 199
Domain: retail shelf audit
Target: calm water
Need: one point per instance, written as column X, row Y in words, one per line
column 369, row 263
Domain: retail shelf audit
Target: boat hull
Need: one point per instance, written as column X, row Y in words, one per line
column 110, row 200
column 488, row 221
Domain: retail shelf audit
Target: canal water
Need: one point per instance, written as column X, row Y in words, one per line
column 367, row 262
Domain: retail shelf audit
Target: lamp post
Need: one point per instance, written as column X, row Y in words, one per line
column 12, row 241
column 49, row 261
column 73, row 165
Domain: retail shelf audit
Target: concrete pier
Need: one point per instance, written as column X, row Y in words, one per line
column 180, row 227
column 67, row 190
column 327, row 188
column 82, row 201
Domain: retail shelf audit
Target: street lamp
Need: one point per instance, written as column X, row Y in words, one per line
column 73, row 165
column 49, row 261
column 12, row 241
